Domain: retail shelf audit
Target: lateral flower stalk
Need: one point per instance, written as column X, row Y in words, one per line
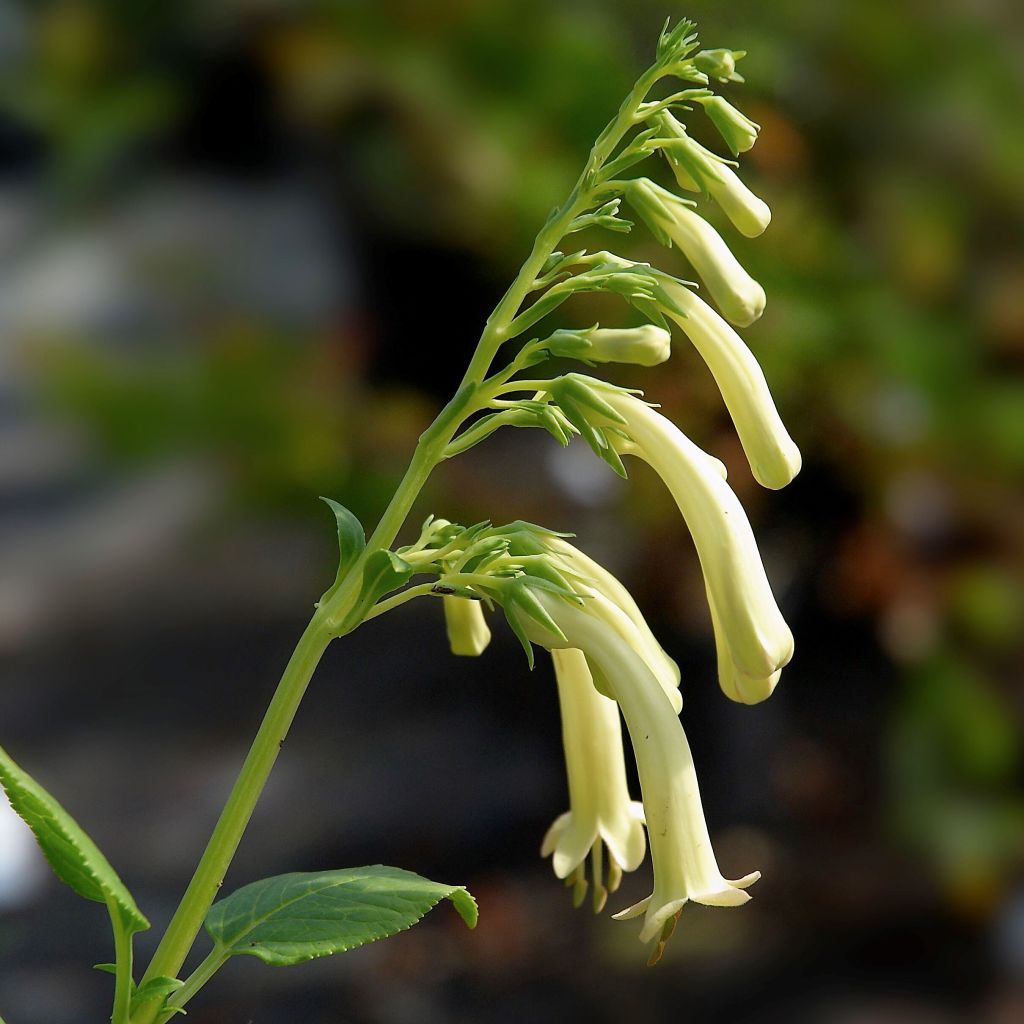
column 601, row 811
column 740, row 298
column 773, row 456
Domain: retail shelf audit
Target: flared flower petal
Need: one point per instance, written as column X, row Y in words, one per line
column 774, row 458
column 685, row 867
column 740, row 298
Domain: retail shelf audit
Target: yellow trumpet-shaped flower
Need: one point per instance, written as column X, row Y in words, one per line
column 601, row 815
column 685, row 867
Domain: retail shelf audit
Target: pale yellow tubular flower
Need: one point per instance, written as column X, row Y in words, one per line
column 749, row 213
column 648, row 345
column 740, row 298
column 468, row 632
column 753, row 628
column 606, row 584
column 774, row 458
column 684, row 863
column 601, row 810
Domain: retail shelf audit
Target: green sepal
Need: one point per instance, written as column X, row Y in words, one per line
column 520, row 633
column 74, row 857
column 582, row 392
column 675, row 43
column 549, row 420
column 299, row 916
column 611, row 457
column 351, row 538
column 524, row 599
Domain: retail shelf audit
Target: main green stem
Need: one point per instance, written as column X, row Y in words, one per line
column 209, row 875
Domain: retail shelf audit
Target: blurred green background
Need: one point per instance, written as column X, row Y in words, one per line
column 245, row 251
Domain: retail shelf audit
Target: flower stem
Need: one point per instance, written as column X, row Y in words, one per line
column 123, row 965
column 209, row 874
column 198, row 978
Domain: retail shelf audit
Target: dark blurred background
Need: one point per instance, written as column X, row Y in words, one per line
column 245, row 251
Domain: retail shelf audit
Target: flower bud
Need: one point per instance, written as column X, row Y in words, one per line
column 752, row 627
column 774, row 458
column 738, row 131
column 697, row 168
column 740, row 298
column 468, row 632
column 720, row 64
column 644, row 346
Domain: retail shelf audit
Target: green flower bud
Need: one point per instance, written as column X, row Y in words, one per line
column 720, row 64
column 738, row 131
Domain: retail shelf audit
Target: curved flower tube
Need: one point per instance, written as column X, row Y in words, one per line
column 736, row 684
column 752, row 627
column 774, row 458
column 601, row 812
column 637, row 633
column 690, row 161
column 740, row 298
column 684, row 862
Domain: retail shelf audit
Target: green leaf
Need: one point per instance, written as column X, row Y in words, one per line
column 351, row 536
column 73, row 856
column 302, row 915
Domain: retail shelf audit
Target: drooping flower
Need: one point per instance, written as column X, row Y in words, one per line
column 698, row 169
column 751, row 627
column 468, row 632
column 685, row 867
column 740, row 298
column 610, row 600
column 601, row 815
column 774, row 458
